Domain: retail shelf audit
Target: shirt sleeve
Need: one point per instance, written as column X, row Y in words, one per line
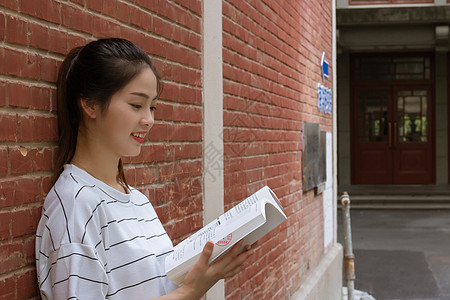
column 75, row 273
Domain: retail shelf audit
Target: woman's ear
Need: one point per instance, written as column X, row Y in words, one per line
column 90, row 108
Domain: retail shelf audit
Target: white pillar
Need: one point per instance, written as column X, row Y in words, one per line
column 212, row 78
column 335, row 104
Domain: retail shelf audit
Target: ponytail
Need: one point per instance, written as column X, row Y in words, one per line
column 68, row 115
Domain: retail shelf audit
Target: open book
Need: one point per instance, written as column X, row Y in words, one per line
column 250, row 220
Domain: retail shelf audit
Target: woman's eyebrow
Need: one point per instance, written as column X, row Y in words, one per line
column 140, row 95
column 143, row 95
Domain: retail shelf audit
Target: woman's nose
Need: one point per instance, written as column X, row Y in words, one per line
column 148, row 119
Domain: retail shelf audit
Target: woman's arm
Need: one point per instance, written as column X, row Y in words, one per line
column 203, row 276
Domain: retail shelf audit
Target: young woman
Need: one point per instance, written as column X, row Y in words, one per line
column 99, row 238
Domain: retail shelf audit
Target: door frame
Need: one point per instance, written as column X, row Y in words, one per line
column 393, row 85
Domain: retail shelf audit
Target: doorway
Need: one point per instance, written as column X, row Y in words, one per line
column 392, row 128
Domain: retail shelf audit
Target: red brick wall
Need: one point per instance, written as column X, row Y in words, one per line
column 34, row 37
column 272, row 53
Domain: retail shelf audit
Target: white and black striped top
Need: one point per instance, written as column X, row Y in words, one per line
column 94, row 242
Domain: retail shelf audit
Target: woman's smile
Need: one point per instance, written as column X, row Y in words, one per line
column 139, row 136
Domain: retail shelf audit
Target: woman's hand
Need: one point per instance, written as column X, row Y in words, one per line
column 203, row 275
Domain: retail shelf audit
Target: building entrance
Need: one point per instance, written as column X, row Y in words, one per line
column 392, row 120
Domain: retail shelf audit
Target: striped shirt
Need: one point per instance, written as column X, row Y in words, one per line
column 94, row 242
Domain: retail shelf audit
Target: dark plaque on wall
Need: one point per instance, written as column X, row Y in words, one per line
column 313, row 156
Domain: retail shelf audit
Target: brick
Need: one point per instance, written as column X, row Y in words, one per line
column 11, row 256
column 185, row 151
column 75, row 41
column 38, row 36
column 8, row 287
column 27, row 285
column 141, row 18
column 48, row 69
column 190, row 95
column 17, row 63
column 94, row 5
column 28, row 251
column 27, row 190
column 181, row 16
column 189, row 114
column 2, row 26
column 24, row 221
column 8, row 124
column 182, row 206
column 194, row 6
column 123, row 12
column 181, row 228
column 40, row 98
column 36, row 128
column 159, row 132
column 109, row 8
column 130, row 175
column 105, row 28
column 2, row 94
column 187, row 57
column 13, row 4
column 48, row 10
column 80, row 2
column 3, row 162
column 47, row 183
column 162, row 212
column 149, row 5
column 146, row 175
column 154, row 46
column 154, row 153
column 58, row 41
column 185, row 133
column 5, row 224
column 162, row 27
column 7, row 193
column 19, row 95
column 16, row 30
column 25, row 160
column 74, row 17
column 159, row 197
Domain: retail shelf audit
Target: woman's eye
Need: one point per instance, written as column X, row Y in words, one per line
column 137, row 106
column 152, row 108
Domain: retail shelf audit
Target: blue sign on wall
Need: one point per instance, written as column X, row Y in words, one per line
column 324, row 99
column 324, row 64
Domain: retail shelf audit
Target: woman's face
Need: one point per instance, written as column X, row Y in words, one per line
column 129, row 116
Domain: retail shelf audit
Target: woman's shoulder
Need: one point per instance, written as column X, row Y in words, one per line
column 72, row 192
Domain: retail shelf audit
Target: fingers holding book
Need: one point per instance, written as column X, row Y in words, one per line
column 203, row 275
column 232, row 262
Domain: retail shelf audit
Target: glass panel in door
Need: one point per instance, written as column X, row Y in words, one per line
column 373, row 125
column 412, row 115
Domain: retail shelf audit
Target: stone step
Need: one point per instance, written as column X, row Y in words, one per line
column 405, row 201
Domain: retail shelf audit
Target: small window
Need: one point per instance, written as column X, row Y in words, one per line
column 392, row 68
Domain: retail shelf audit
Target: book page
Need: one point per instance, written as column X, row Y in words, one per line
column 217, row 229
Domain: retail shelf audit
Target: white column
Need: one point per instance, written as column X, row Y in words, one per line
column 212, row 78
column 335, row 104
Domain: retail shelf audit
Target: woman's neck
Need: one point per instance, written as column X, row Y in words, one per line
column 103, row 166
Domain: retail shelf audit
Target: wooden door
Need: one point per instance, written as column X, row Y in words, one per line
column 412, row 141
column 392, row 138
column 371, row 155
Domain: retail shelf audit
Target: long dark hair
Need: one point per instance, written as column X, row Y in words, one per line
column 95, row 72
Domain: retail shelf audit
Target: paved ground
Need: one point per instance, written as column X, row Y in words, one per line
column 401, row 254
